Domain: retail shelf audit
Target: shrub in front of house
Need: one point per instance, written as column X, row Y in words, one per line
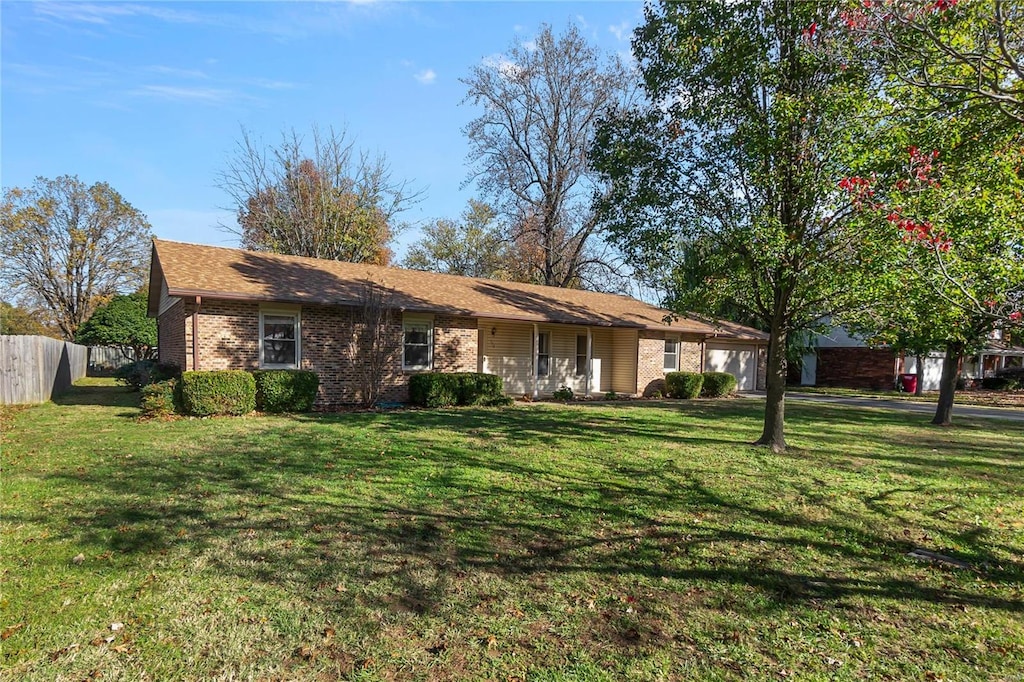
column 161, row 399
column 686, row 385
column 1001, row 383
column 444, row 389
column 718, row 384
column 231, row 391
column 564, row 394
column 285, row 390
column 145, row 372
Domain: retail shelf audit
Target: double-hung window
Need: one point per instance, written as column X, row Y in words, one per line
column 671, row 355
column 581, row 355
column 417, row 343
column 543, row 354
column 279, row 339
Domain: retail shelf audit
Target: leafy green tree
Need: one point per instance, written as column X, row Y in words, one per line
column 727, row 175
column 471, row 247
column 961, row 51
column 122, row 322
column 68, row 247
column 16, row 321
column 952, row 82
column 959, row 230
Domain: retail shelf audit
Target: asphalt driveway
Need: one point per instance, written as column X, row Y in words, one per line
column 1008, row 413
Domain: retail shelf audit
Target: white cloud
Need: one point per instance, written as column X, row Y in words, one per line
column 502, row 64
column 103, row 13
column 426, row 77
column 282, row 21
column 621, row 31
column 530, row 45
column 194, row 74
column 180, row 93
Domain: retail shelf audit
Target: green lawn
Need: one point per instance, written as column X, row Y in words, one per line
column 605, row 541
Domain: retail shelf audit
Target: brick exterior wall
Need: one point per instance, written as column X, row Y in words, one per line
column 229, row 339
column 856, row 367
column 170, row 330
column 456, row 344
column 228, row 335
column 650, row 372
column 690, row 356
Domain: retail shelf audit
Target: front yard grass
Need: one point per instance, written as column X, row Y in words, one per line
column 583, row 542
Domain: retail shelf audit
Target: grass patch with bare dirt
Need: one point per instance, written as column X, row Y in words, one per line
column 584, row 542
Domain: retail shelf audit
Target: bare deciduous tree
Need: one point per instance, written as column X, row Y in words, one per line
column 376, row 343
column 528, row 150
column 325, row 199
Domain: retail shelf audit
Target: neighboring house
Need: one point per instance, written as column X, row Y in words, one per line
column 220, row 308
column 843, row 360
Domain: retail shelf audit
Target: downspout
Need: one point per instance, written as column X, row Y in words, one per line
column 703, row 347
column 195, row 334
column 590, row 359
column 536, row 358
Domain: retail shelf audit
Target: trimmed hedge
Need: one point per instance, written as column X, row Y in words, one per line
column 231, row 391
column 444, row 389
column 1000, row 383
column 161, row 399
column 146, row 372
column 285, row 390
column 718, row 384
column 686, row 385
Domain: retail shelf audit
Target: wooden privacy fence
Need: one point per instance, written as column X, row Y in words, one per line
column 34, row 369
column 104, row 360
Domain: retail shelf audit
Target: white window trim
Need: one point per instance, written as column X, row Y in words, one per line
column 585, row 355
column 547, row 354
column 409, row 321
column 295, row 312
column 678, row 344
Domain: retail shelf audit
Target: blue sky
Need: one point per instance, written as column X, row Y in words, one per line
column 151, row 96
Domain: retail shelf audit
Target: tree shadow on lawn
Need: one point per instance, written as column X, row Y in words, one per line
column 102, row 396
column 301, row 507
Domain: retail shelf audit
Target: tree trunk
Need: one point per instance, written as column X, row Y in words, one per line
column 774, row 435
column 920, row 375
column 947, row 384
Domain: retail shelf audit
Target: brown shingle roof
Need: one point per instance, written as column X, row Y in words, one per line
column 217, row 272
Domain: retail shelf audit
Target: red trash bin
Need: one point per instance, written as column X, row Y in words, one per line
column 909, row 383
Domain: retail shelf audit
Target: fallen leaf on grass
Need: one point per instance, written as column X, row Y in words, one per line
column 328, row 634
column 10, row 630
column 78, row 559
column 114, row 627
column 54, row 655
column 120, row 648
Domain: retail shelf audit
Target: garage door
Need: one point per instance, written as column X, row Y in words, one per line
column 739, row 361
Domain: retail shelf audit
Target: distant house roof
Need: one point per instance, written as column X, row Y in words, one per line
column 223, row 273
